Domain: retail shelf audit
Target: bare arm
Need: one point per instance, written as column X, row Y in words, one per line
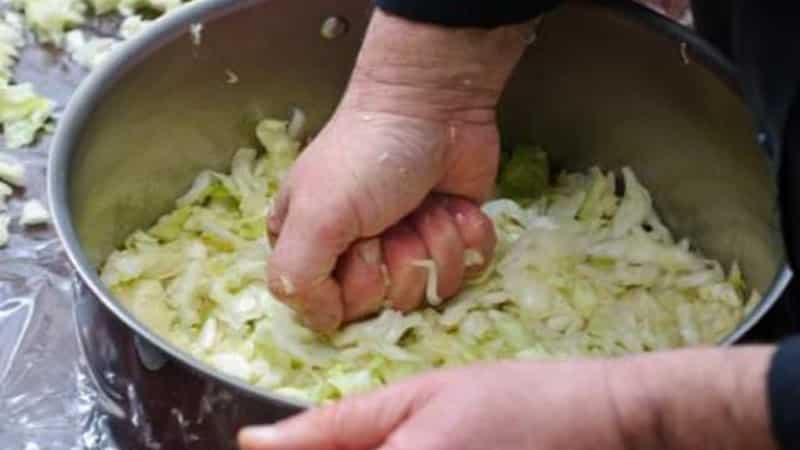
column 694, row 399
column 691, row 399
column 415, row 68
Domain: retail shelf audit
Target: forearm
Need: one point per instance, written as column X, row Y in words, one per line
column 455, row 72
column 693, row 399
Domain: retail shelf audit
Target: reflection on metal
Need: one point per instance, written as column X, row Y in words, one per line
column 151, row 357
column 333, row 27
column 297, row 123
column 536, row 28
column 685, row 53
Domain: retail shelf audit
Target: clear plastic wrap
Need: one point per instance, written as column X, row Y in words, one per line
column 48, row 400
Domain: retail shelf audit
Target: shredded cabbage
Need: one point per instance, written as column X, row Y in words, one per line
column 91, row 51
column 12, row 171
column 133, row 25
column 580, row 270
column 33, row 213
column 525, row 174
column 50, row 18
column 88, row 51
column 11, row 39
column 431, row 285
column 23, row 113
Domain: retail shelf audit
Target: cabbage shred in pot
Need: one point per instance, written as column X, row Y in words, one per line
column 580, row 270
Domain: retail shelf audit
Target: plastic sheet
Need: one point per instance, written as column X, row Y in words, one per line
column 48, row 401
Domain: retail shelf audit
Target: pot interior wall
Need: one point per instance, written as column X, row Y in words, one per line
column 594, row 88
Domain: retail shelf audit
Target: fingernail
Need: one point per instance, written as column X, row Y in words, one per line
column 261, row 435
column 370, row 251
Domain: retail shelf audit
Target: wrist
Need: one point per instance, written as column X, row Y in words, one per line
column 425, row 70
column 714, row 398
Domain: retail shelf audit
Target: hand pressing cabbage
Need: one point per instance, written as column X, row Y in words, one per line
column 580, row 270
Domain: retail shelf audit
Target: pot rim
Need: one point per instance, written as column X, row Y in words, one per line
column 176, row 24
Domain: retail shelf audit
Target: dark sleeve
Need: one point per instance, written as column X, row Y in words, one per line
column 784, row 394
column 765, row 45
column 467, row 13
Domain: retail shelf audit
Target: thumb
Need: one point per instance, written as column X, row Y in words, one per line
column 316, row 229
column 357, row 423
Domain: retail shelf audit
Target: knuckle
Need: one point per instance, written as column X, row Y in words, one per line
column 334, row 231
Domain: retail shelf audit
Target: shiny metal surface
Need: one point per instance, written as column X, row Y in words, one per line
column 608, row 85
column 171, row 409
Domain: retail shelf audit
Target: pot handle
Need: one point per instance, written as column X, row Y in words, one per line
column 763, row 40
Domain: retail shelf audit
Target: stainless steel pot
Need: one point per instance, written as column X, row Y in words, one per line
column 603, row 83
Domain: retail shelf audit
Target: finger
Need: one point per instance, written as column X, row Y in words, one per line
column 362, row 277
column 357, row 423
column 401, row 247
column 312, row 237
column 439, row 232
column 477, row 232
